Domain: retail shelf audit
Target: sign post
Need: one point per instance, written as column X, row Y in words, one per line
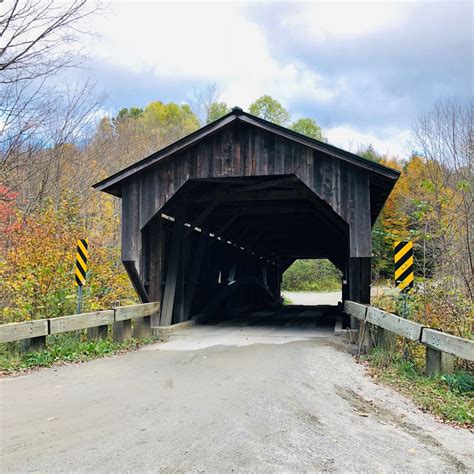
column 81, row 270
column 404, row 274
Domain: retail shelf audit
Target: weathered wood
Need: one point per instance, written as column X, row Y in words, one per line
column 438, row 362
column 449, row 344
column 34, row 344
column 99, row 332
column 155, row 269
column 195, row 271
column 172, row 272
column 386, row 340
column 122, row 330
column 357, row 310
column 401, row 326
column 75, row 322
column 132, row 271
column 123, row 313
column 23, row 330
column 366, row 339
column 311, row 199
column 142, row 328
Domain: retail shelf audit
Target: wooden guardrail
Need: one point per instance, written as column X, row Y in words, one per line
column 33, row 333
column 440, row 347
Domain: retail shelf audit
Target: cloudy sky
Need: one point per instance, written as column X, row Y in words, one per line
column 362, row 70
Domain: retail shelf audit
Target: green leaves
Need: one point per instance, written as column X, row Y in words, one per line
column 311, row 275
column 270, row 109
column 216, row 111
column 308, row 127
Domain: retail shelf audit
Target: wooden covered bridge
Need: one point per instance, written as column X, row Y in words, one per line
column 212, row 221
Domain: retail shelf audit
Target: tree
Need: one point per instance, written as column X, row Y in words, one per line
column 34, row 35
column 270, row 109
column 133, row 112
column 217, row 110
column 35, row 113
column 443, row 137
column 308, row 127
column 174, row 120
column 370, row 153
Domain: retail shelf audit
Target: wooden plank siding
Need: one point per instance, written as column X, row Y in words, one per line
column 242, row 150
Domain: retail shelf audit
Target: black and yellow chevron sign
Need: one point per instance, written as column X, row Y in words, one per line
column 81, row 262
column 404, row 265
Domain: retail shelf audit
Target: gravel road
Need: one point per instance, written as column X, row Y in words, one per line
column 313, row 298
column 264, row 393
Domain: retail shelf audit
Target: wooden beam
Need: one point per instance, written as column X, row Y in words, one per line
column 202, row 217
column 250, row 196
column 137, row 283
column 134, row 311
column 80, row 321
column 25, row 329
column 194, row 274
column 172, row 270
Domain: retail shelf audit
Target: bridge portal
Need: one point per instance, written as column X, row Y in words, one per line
column 212, row 221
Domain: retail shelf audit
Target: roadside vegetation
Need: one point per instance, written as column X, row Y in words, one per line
column 312, row 275
column 449, row 397
column 63, row 349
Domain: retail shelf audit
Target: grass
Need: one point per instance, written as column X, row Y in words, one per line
column 449, row 397
column 287, row 301
column 63, row 348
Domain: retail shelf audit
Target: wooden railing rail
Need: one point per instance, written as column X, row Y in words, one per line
column 441, row 348
column 33, row 333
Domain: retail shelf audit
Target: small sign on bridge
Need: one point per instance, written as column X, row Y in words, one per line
column 403, row 258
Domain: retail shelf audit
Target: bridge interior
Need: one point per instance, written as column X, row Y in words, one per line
column 210, row 223
column 238, row 236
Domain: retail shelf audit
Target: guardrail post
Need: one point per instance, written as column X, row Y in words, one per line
column 438, row 362
column 33, row 344
column 386, row 340
column 366, row 343
column 142, row 328
column 99, row 332
column 122, row 330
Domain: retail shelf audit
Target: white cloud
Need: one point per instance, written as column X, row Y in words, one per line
column 203, row 43
column 391, row 141
column 326, row 20
column 230, row 44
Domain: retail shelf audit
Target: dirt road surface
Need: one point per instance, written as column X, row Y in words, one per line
column 313, row 298
column 264, row 393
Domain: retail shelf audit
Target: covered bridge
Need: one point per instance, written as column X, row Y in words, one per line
column 213, row 220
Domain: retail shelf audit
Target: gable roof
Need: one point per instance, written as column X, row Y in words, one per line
column 112, row 184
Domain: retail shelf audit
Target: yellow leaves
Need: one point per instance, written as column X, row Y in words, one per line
column 37, row 272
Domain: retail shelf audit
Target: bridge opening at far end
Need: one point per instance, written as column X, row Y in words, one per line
column 309, row 282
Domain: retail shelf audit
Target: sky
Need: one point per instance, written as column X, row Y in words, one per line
column 363, row 70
